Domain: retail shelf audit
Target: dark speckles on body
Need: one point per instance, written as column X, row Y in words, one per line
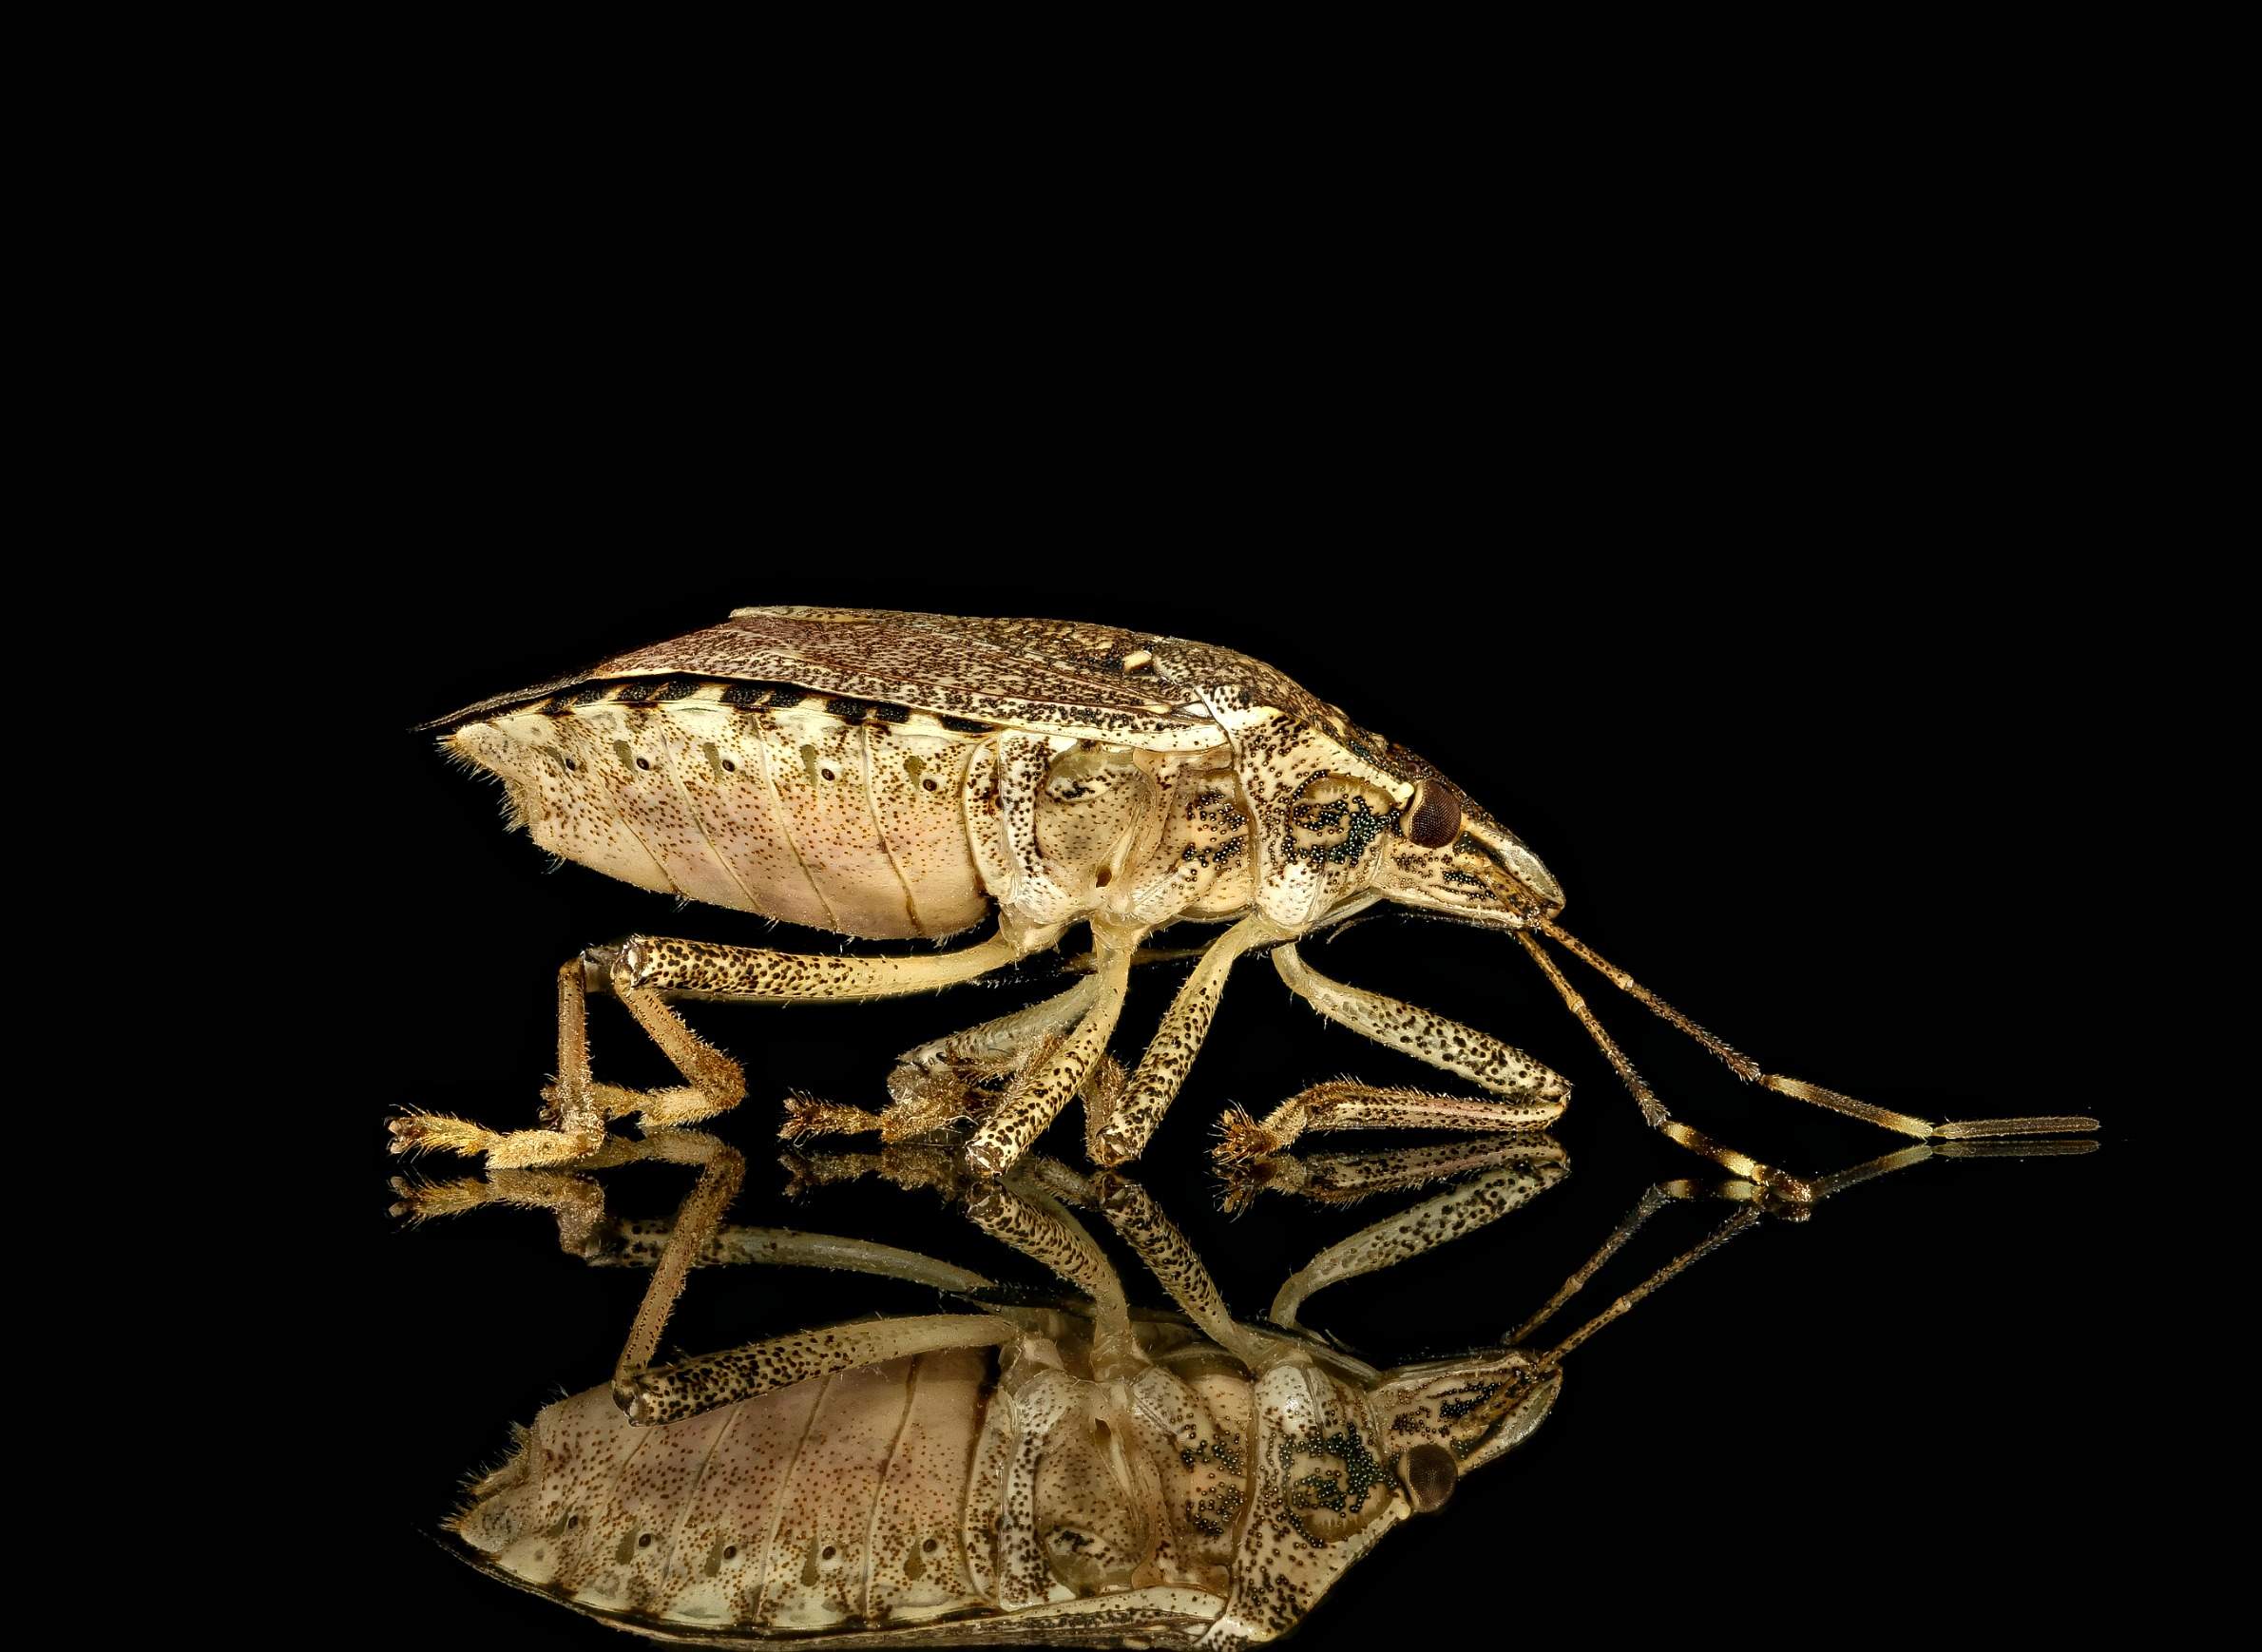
column 564, row 704
column 1357, row 824
column 1222, row 855
column 755, row 695
column 866, row 711
column 1454, row 1409
column 1469, row 843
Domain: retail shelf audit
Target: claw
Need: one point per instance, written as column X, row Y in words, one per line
column 420, row 1202
column 1242, row 1179
column 812, row 1116
column 923, row 1100
column 1241, row 1139
column 425, row 1132
column 1237, row 1196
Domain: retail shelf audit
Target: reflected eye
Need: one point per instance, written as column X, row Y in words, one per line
column 1433, row 818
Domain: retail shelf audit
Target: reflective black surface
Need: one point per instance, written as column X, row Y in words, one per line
column 1859, row 839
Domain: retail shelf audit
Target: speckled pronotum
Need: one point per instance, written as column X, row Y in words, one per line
column 894, row 775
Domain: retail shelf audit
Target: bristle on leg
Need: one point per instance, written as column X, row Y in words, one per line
column 1241, row 1139
column 814, row 1116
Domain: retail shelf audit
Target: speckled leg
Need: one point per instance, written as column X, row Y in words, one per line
column 644, row 973
column 578, row 1106
column 1006, row 1037
column 1042, row 1089
column 1348, row 1178
column 723, row 1171
column 942, row 1083
column 1016, row 1212
column 670, row 1394
column 1429, row 1037
column 700, row 969
column 1171, row 1051
column 1534, row 1167
column 1348, row 1104
column 1751, row 1072
column 1171, row 1258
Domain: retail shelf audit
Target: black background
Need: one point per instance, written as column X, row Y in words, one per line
column 1776, row 482
column 1810, row 722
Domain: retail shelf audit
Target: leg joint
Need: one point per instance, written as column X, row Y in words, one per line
column 598, row 964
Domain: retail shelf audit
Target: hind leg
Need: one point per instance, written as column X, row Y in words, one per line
column 644, row 973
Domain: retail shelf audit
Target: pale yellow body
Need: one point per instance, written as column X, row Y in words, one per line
column 879, row 828
column 890, row 775
column 970, row 1495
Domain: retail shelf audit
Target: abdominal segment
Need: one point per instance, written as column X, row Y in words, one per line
column 851, row 816
column 841, row 814
column 836, row 1502
column 957, row 1484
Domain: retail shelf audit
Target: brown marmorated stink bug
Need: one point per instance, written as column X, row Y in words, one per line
column 887, row 775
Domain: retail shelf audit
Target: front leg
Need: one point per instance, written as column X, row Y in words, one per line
column 1348, row 1104
column 1424, row 1034
column 1529, row 1096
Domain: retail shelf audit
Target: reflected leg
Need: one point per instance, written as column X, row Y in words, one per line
column 1532, row 1168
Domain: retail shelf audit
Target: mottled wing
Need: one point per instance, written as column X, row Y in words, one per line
column 1086, row 682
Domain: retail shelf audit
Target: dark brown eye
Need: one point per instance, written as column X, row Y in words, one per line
column 1431, row 1473
column 1432, row 819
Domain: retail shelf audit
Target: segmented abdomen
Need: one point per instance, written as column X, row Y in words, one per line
column 839, row 813
column 862, row 818
column 838, row 1502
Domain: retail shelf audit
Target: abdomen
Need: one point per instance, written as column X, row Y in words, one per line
column 846, row 815
column 838, row 1503
column 836, row 814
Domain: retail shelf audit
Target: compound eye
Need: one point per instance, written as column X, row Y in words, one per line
column 1433, row 818
column 1431, row 1473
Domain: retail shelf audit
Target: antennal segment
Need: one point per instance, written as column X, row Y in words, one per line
column 1780, row 1183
